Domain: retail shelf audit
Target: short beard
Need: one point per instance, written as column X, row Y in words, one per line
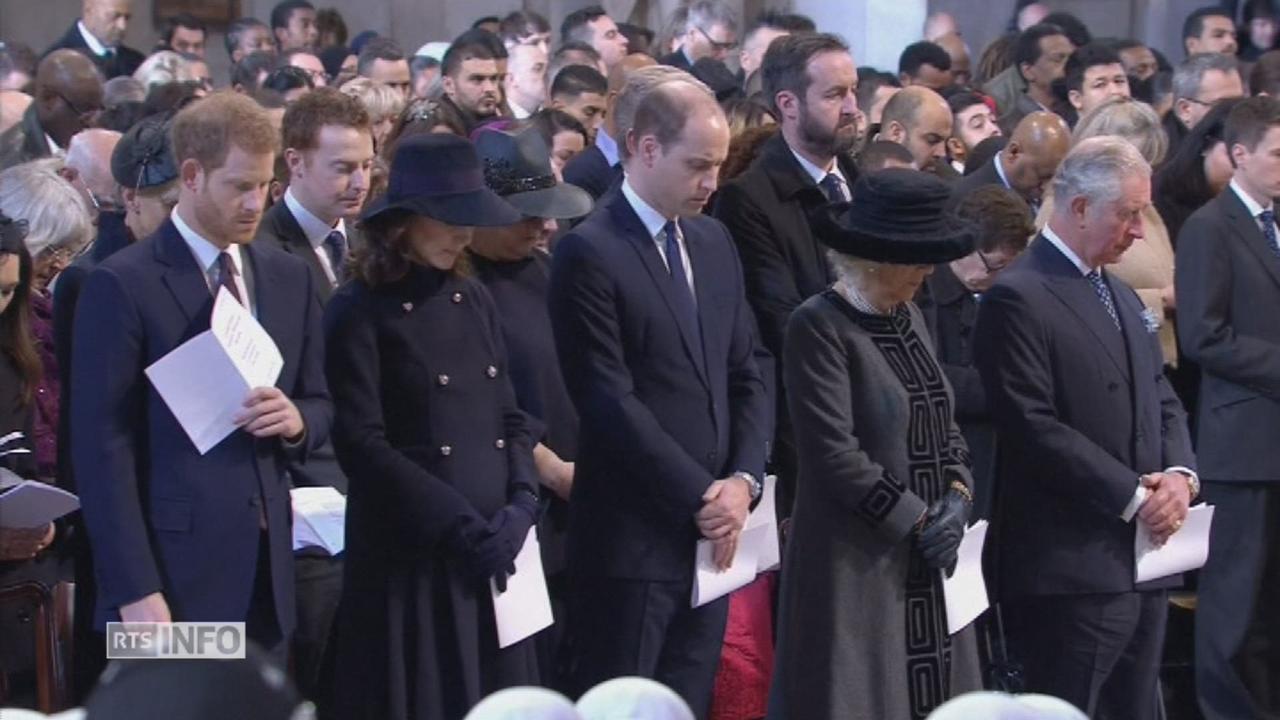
column 821, row 139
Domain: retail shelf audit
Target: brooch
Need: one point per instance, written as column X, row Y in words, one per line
column 1152, row 320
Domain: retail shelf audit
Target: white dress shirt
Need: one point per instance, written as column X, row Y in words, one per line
column 608, row 146
column 95, row 45
column 206, row 256
column 1254, row 208
column 316, row 231
column 1139, row 495
column 654, row 224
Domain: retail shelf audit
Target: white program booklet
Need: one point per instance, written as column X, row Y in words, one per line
column 319, row 518
column 205, row 380
column 32, row 504
column 524, row 608
column 1187, row 549
column 769, row 555
column 710, row 583
column 966, row 590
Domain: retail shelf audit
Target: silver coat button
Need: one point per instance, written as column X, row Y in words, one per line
column 446, row 450
column 457, row 298
column 442, row 380
column 491, row 371
column 500, row 443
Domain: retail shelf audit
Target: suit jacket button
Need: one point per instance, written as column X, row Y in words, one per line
column 491, row 371
column 457, row 298
column 442, row 380
column 446, row 450
column 500, row 443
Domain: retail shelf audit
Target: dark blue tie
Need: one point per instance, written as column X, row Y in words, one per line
column 833, row 188
column 1104, row 294
column 679, row 279
column 1268, row 218
column 336, row 246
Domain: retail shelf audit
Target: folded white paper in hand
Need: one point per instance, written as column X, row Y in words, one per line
column 966, row 590
column 524, row 608
column 319, row 518
column 205, row 380
column 768, row 554
column 1187, row 549
column 710, row 583
column 32, row 504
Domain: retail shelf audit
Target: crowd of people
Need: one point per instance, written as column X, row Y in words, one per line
column 608, row 287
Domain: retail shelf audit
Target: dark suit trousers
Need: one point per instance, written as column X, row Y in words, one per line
column 645, row 628
column 318, row 579
column 261, row 625
column 1099, row 652
column 1237, row 628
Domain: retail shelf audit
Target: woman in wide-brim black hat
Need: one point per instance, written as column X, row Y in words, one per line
column 884, row 489
column 443, row 489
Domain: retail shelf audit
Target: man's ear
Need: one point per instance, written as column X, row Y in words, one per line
column 1076, row 98
column 894, row 132
column 956, row 149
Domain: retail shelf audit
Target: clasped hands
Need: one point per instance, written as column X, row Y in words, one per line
column 722, row 517
column 1165, row 509
column 488, row 550
column 942, row 529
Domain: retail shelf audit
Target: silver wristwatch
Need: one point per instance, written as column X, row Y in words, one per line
column 752, row 482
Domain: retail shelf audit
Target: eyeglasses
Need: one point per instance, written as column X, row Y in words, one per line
column 86, row 115
column 719, row 46
column 992, row 269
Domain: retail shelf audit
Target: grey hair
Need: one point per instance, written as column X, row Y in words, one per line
column 1095, row 169
column 640, row 86
column 852, row 271
column 1130, row 119
column 57, row 214
column 1188, row 75
column 164, row 67
column 707, row 13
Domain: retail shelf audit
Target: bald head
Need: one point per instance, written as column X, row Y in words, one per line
column 959, row 53
column 68, row 94
column 108, row 20
column 618, row 76
column 89, row 154
column 919, row 119
column 12, row 105
column 1033, row 154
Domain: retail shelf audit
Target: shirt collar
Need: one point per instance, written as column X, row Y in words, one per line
column 1247, row 199
column 816, row 172
column 95, row 45
column 518, row 112
column 313, row 227
column 54, row 148
column 653, row 221
column 1000, row 170
column 205, row 252
column 608, row 146
column 1057, row 242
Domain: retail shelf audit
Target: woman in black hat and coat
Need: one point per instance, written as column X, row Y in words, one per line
column 883, row 495
column 443, row 489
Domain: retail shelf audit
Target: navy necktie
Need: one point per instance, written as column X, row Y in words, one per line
column 335, row 244
column 1104, row 294
column 227, row 276
column 679, row 278
column 833, row 188
column 1268, row 218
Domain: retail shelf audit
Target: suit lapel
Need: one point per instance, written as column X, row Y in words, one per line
column 634, row 231
column 184, row 277
column 296, row 242
column 270, row 295
column 1246, row 227
column 1137, row 339
column 1066, row 282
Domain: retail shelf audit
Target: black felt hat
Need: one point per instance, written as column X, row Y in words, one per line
column 897, row 216
column 144, row 156
column 440, row 176
column 517, row 166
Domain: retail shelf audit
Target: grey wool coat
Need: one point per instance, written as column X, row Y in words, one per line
column 862, row 626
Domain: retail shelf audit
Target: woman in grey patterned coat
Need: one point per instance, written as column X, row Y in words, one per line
column 884, row 489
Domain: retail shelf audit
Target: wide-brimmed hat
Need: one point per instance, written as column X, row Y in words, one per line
column 897, row 216
column 517, row 166
column 144, row 156
column 439, row 176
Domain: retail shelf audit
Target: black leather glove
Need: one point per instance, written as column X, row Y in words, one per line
column 505, row 536
column 943, row 529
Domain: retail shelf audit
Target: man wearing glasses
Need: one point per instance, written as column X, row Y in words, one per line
column 1199, row 82
column 68, row 99
column 711, row 31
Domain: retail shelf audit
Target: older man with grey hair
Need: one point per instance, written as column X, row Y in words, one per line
column 657, row 347
column 89, row 156
column 1094, row 444
column 710, row 30
column 1198, row 82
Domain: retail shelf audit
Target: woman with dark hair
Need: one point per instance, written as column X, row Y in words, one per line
column 443, row 486
column 421, row 117
column 1196, row 172
column 23, row 555
column 1258, row 32
column 564, row 136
